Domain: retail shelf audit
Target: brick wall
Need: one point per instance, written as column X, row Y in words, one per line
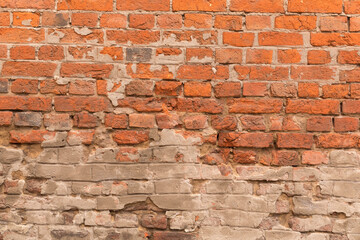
column 180, row 119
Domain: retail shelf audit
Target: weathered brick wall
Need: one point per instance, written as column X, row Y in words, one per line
column 180, row 119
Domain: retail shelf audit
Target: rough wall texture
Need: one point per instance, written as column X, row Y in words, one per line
column 179, row 120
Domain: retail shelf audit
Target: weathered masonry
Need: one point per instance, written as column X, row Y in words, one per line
column 179, row 119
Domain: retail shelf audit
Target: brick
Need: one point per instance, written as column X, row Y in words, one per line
column 314, row 158
column 198, row 105
column 245, row 105
column 84, row 19
column 319, row 124
column 138, row 54
column 295, row 140
column 116, row 120
column 199, row 5
column 139, row 88
column 169, row 21
column 37, row 4
column 55, row 19
column 28, row 69
column 312, row 73
column 199, row 55
column 52, row 87
column 141, row 21
column 76, row 137
column 116, row 53
column 147, row 71
column 229, row 55
column 280, row 39
column 333, row 24
column 25, row 103
column 296, row 22
column 289, row 56
column 198, row 20
column 254, row 140
column 85, row 120
column 350, row 75
column 30, row 137
column 264, row 73
column 6, row 118
column 334, row 39
column 142, row 104
column 316, row 6
column 308, row 90
column 113, row 20
column 244, row 157
column 351, row 107
column 355, row 90
column 259, row 56
column 238, row 39
column 85, row 69
column 285, row 158
column 78, row 104
column 318, row 57
column 351, row 7
column 174, row 235
column 146, row 5
column 12, row 35
column 167, row 121
column 193, row 37
column 5, row 19
column 168, row 88
column 346, row 124
column 80, row 87
column 326, row 107
column 203, row 72
column 283, row 90
column 3, row 51
column 257, row 22
column 227, row 89
column 28, row 119
column 26, row 19
column 57, row 122
column 228, row 22
column 224, row 122
column 22, row 52
column 274, row 6
column 197, row 89
column 335, row 91
column 51, row 53
column 354, row 24
column 153, row 221
column 141, row 120
column 254, row 123
column 24, row 86
column 130, row 137
column 4, row 83
column 336, row 140
column 105, row 5
column 194, row 122
column 254, row 89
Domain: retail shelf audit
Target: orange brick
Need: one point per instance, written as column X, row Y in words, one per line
column 22, row 52
column 254, row 89
column 193, row 20
column 318, row 57
column 274, row 6
column 258, row 22
column 228, row 22
column 333, row 24
column 308, row 90
column 229, row 55
column 199, row 5
column 280, row 39
column 4, row 19
column 197, row 89
column 289, row 56
column 84, row 19
column 317, row 6
column 113, row 21
column 141, row 21
column 259, row 56
column 169, row 21
column 296, row 22
column 26, row 19
column 238, row 39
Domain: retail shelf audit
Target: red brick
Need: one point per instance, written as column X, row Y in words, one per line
column 195, row 20
column 50, row 86
column 283, row 90
column 355, row 23
column 194, row 122
column 130, row 137
column 168, row 88
column 158, row 221
column 351, row 107
column 355, row 90
column 105, row 5
column 169, row 21
column 73, row 36
column 308, row 90
column 198, row 105
column 4, row 19
column 21, row 35
column 3, row 51
column 314, row 158
column 229, row 55
column 141, row 21
column 346, row 124
column 82, row 136
column 142, row 104
column 254, row 89
column 51, row 53
column 116, row 120
column 244, row 157
column 141, row 120
column 246, row 105
column 349, row 57
column 84, row 19
column 199, row 55
column 146, row 5
column 350, row 75
column 29, row 137
column 85, row 70
column 197, row 89
column 116, row 53
column 258, row 22
column 237, row 139
column 82, row 87
column 22, row 52
column 24, row 4
column 319, row 124
column 228, row 22
column 316, row 6
column 326, row 107
column 139, row 88
column 189, row 36
column 28, row 69
column 203, row 72
column 57, row 121
column 238, row 39
column 24, row 86
column 227, row 89
column 289, row 56
column 167, row 120
column 26, row 19
column 5, row 118
column 259, row 56
column 352, row 7
column 285, row 158
column 312, row 73
column 335, row 91
column 280, row 39
column 318, row 57
column 328, row 24
column 55, row 19
column 113, row 21
column 336, row 140
column 273, row 6
column 85, row 120
column 78, row 104
column 295, row 140
column 224, row 122
column 254, row 123
column 199, row 5
column 296, row 22
column 334, row 39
